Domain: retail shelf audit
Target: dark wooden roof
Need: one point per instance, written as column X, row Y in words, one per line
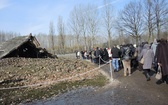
column 13, row 44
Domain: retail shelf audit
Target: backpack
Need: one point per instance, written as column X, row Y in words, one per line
column 127, row 53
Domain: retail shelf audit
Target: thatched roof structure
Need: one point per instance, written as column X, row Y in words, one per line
column 22, row 46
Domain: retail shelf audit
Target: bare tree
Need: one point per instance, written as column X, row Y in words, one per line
column 108, row 17
column 78, row 23
column 4, row 36
column 120, row 30
column 83, row 23
column 41, row 37
column 121, row 36
column 131, row 20
column 51, row 37
column 92, row 23
column 74, row 24
column 149, row 17
column 161, row 12
column 61, row 34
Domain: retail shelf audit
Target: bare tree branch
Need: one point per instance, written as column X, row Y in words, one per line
column 131, row 20
column 51, row 37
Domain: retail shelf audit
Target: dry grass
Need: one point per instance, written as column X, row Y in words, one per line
column 21, row 72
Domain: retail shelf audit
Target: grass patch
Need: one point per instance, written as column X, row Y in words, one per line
column 17, row 96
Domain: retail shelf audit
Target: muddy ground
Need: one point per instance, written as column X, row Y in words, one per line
column 130, row 90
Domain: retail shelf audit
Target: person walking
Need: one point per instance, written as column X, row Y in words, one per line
column 153, row 47
column 126, row 55
column 162, row 60
column 115, row 56
column 109, row 53
column 82, row 54
column 97, row 55
column 139, row 50
column 148, row 55
column 105, row 56
column 78, row 55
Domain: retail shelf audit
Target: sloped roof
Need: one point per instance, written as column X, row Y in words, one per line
column 13, row 44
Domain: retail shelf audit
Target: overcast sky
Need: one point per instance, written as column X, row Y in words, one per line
column 34, row 16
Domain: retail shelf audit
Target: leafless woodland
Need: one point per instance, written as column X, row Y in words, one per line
column 89, row 26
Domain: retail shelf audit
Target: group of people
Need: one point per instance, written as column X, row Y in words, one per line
column 94, row 55
column 127, row 56
column 123, row 57
column 84, row 54
column 154, row 54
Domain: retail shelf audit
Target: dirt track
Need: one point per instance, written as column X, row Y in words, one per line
column 133, row 90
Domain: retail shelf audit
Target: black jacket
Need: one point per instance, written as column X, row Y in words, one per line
column 115, row 52
column 126, row 52
column 105, row 55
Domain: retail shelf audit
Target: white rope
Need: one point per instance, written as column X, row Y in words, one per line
column 45, row 83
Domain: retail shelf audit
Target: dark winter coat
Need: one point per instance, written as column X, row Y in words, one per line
column 105, row 55
column 97, row 53
column 162, row 56
column 148, row 56
column 126, row 53
column 115, row 52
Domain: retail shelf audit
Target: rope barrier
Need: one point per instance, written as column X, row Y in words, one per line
column 103, row 60
column 46, row 83
column 110, row 66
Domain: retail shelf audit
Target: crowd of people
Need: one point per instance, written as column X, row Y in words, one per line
column 128, row 57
